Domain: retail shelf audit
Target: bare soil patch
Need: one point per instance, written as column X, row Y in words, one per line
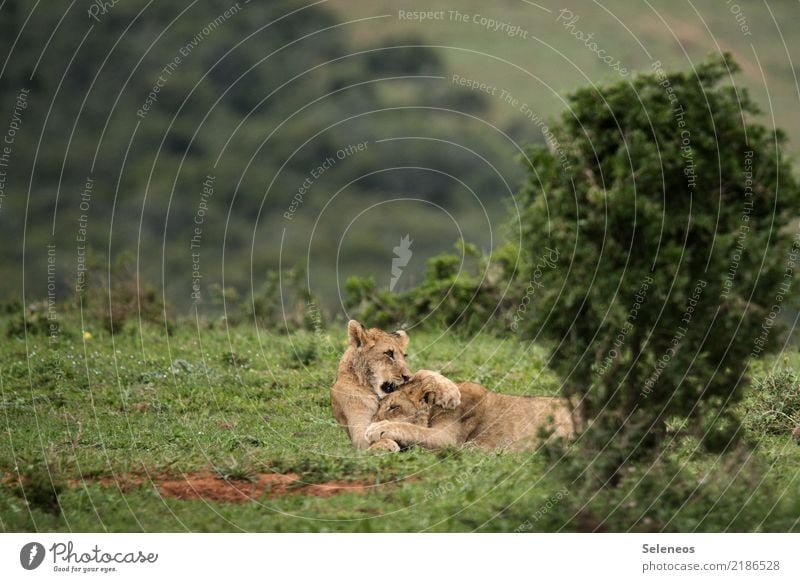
column 209, row 486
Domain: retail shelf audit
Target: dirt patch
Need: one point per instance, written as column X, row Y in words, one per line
column 211, row 487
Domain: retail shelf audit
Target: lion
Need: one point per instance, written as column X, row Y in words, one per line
column 488, row 420
column 373, row 366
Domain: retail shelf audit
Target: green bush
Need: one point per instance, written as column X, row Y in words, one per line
column 464, row 293
column 283, row 303
column 673, row 206
column 34, row 320
column 116, row 296
column 773, row 404
column 680, row 491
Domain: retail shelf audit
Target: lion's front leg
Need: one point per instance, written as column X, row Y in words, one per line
column 446, row 392
column 357, row 426
column 357, row 429
column 407, row 434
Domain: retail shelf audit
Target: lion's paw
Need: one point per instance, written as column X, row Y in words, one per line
column 446, row 392
column 384, row 445
column 375, row 431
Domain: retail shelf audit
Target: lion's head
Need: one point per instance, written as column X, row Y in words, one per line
column 411, row 404
column 378, row 358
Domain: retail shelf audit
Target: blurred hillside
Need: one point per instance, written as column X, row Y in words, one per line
column 553, row 59
column 217, row 140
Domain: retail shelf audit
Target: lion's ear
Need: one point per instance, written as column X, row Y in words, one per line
column 403, row 338
column 357, row 333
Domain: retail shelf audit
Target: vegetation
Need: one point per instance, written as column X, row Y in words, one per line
column 665, row 196
column 773, row 406
column 462, row 293
column 193, row 252
column 154, row 197
column 656, row 262
column 227, row 121
column 92, row 428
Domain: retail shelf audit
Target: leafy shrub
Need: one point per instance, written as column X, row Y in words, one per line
column 773, row 404
column 34, row 321
column 304, row 349
column 678, row 492
column 666, row 297
column 283, row 303
column 464, row 293
column 116, row 296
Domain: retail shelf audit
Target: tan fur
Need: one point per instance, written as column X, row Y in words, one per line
column 373, row 359
column 487, row 419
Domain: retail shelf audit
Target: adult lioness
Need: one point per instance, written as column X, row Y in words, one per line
column 487, row 419
column 374, row 365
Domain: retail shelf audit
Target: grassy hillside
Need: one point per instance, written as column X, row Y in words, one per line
column 551, row 61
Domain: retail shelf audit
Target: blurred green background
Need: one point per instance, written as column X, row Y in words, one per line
column 263, row 93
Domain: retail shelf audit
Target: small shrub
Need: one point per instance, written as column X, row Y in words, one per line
column 773, row 405
column 34, row 320
column 40, row 487
column 283, row 303
column 462, row 292
column 304, row 350
column 116, row 296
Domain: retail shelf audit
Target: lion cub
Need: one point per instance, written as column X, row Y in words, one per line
column 488, row 419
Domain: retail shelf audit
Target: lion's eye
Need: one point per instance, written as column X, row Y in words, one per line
column 393, row 407
column 390, row 354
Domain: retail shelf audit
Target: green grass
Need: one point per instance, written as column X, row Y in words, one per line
column 239, row 404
